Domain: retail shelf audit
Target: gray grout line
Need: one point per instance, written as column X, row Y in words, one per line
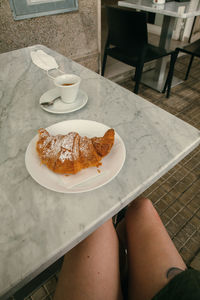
column 189, row 171
column 184, row 109
column 192, row 258
column 167, row 192
column 179, row 197
column 189, row 238
column 182, row 227
column 184, row 206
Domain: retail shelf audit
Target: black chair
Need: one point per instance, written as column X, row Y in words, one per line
column 192, row 49
column 128, row 41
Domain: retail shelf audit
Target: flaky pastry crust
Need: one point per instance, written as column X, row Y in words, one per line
column 70, row 153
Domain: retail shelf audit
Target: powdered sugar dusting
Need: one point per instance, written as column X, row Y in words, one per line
column 60, row 146
column 85, row 143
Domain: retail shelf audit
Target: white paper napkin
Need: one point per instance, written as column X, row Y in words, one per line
column 82, row 177
column 44, row 60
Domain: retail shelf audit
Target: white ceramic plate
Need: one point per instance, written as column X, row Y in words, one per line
column 87, row 179
column 60, row 107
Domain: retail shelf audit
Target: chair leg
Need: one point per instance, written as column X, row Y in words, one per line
column 168, row 81
column 138, row 75
column 166, row 84
column 104, row 63
column 171, row 72
column 105, row 55
column 189, row 67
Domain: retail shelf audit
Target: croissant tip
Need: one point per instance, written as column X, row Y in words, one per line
column 43, row 132
column 110, row 131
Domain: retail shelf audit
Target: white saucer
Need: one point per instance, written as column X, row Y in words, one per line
column 60, row 107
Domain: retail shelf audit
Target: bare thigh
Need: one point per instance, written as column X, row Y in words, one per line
column 151, row 253
column 91, row 269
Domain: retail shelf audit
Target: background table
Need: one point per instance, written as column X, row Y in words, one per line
column 38, row 226
column 171, row 10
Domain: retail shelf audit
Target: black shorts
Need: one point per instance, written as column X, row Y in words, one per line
column 184, row 286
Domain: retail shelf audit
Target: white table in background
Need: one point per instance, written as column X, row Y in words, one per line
column 38, row 226
column 171, row 10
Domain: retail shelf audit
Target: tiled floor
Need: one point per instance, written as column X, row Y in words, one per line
column 176, row 195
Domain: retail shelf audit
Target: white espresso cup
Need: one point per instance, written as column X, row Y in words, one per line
column 69, row 87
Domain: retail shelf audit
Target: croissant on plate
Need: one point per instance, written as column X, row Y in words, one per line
column 70, row 153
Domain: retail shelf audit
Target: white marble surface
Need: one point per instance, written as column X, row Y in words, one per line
column 173, row 9
column 37, row 225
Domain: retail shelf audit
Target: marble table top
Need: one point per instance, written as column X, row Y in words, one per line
column 173, row 9
column 38, row 225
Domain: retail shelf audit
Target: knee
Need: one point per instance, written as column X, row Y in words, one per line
column 107, row 227
column 140, row 204
column 140, row 208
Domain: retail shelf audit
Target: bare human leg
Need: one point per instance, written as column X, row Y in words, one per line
column 151, row 252
column 91, row 269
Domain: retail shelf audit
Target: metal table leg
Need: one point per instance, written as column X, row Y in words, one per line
column 156, row 78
